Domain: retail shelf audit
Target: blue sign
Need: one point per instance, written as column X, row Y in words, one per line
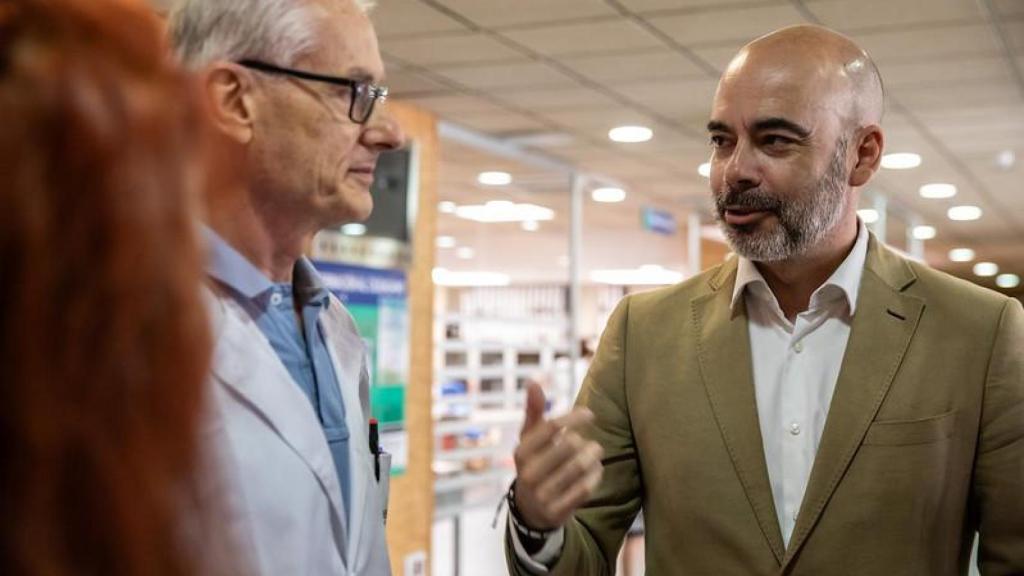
column 659, row 221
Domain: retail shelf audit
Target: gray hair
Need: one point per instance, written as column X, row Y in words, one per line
column 278, row 31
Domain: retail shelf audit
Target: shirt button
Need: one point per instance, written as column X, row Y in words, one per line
column 275, row 298
column 799, row 347
column 794, row 428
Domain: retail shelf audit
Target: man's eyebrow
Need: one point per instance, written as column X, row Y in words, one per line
column 776, row 123
column 716, row 126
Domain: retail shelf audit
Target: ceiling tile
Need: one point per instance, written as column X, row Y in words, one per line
column 495, row 13
column 606, row 118
column 517, row 74
column 721, row 26
column 946, row 71
column 556, row 98
column 612, row 70
column 1009, row 7
column 450, row 49
column 931, row 44
column 958, row 96
column 395, row 18
column 403, row 83
column 846, row 15
column 649, row 5
column 499, row 125
column 451, row 105
column 586, row 38
column 675, row 99
column 718, row 56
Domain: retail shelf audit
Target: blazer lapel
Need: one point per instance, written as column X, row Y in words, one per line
column 725, row 365
column 882, row 329
column 246, row 364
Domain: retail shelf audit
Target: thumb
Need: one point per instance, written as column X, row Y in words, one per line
column 535, row 403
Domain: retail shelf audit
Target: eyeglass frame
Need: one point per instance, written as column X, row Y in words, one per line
column 377, row 93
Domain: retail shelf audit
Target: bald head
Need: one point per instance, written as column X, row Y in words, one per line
column 822, row 59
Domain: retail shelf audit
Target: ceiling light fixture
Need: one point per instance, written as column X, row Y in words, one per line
column 494, row 178
column 868, row 215
column 443, row 277
column 704, row 169
column 608, row 195
column 447, row 207
column 530, row 225
column 961, row 255
column 354, row 229
column 964, row 213
column 901, row 161
column 986, row 269
column 630, row 134
column 1007, row 280
column 924, row 232
column 1006, row 159
column 937, row 190
column 649, row 275
column 504, row 211
column 445, row 242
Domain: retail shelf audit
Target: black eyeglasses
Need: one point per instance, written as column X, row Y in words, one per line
column 364, row 96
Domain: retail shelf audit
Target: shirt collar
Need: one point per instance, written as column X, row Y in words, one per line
column 307, row 283
column 846, row 277
column 229, row 267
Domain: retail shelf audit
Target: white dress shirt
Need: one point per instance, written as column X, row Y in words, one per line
column 796, row 366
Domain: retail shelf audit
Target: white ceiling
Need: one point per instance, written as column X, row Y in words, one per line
column 954, row 71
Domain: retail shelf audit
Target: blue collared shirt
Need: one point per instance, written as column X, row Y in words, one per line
column 302, row 349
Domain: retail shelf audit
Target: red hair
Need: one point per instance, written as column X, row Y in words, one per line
column 104, row 343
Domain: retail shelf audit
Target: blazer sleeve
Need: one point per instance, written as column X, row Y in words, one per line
column 594, row 535
column 998, row 485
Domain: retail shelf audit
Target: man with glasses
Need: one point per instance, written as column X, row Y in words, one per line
column 293, row 91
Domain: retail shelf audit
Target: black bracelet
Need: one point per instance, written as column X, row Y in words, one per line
column 517, row 519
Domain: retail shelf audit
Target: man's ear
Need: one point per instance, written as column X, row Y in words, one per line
column 231, row 103
column 870, row 141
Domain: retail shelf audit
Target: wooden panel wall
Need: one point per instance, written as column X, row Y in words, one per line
column 411, row 510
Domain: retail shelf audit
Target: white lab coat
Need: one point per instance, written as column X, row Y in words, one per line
column 274, row 472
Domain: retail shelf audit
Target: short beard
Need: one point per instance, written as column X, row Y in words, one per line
column 804, row 220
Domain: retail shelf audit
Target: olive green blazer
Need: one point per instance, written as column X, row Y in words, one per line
column 923, row 445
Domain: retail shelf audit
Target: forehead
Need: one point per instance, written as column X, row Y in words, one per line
column 805, row 94
column 346, row 42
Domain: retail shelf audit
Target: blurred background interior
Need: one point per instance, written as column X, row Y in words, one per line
column 524, row 209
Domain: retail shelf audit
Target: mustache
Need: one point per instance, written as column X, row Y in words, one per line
column 753, row 199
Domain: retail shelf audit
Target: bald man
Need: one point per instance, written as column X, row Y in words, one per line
column 818, row 405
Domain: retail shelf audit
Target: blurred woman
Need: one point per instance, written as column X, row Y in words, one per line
column 104, row 344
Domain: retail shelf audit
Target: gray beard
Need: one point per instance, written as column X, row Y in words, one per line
column 803, row 221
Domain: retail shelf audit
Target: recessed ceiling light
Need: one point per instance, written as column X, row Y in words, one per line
column 444, row 277
column 937, row 190
column 986, row 269
column 353, row 229
column 630, row 134
column 1006, row 159
column 964, row 213
column 465, row 253
column 447, row 207
column 704, row 169
column 530, row 225
column 649, row 275
column 1007, row 280
column 445, row 242
column 868, row 215
column 924, row 232
column 494, row 178
column 961, row 255
column 608, row 195
column 901, row 160
column 504, row 211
